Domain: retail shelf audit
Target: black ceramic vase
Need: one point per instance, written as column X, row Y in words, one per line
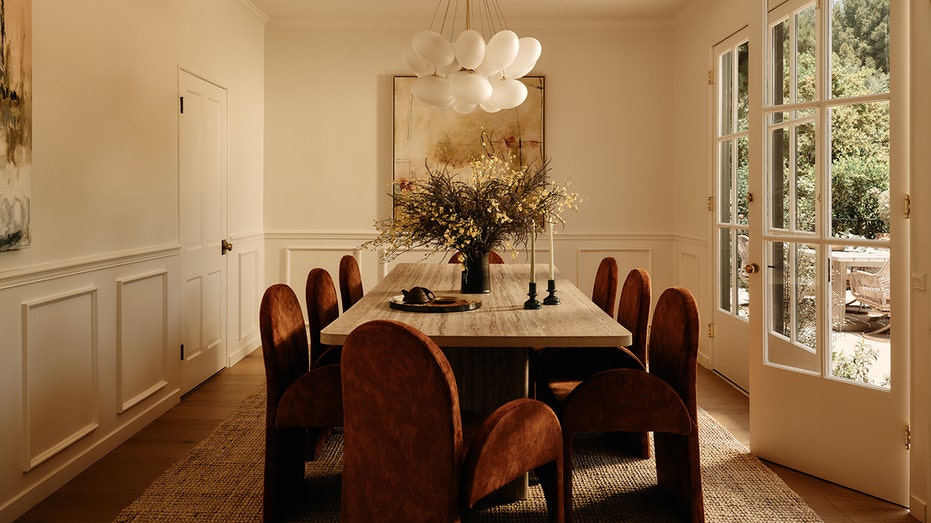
column 475, row 274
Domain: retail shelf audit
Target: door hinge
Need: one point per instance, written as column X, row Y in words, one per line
column 711, row 330
column 182, row 352
column 711, row 203
column 908, row 437
column 710, row 76
column 908, row 206
column 182, row 105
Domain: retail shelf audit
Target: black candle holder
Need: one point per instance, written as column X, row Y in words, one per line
column 532, row 303
column 551, row 289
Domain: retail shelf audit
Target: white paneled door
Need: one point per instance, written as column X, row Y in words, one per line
column 202, row 172
column 829, row 360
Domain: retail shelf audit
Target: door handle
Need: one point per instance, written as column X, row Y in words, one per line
column 225, row 247
column 752, row 268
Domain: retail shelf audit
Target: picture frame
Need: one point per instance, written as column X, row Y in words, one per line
column 426, row 137
column 16, row 125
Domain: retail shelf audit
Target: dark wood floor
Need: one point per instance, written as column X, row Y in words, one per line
column 99, row 493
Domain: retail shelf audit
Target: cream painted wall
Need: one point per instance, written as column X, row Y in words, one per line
column 328, row 121
column 705, row 24
column 103, row 264
column 608, row 127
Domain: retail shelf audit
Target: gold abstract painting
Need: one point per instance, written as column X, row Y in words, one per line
column 427, row 137
column 15, row 122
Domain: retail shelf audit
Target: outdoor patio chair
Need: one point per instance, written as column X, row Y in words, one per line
column 872, row 289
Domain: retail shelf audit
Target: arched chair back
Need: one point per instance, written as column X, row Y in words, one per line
column 604, row 291
column 322, row 309
column 350, row 281
column 400, row 400
column 404, row 457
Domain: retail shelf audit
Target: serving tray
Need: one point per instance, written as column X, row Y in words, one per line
column 438, row 304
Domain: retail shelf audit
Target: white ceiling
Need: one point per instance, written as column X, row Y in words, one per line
column 387, row 12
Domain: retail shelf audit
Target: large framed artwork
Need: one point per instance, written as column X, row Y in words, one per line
column 15, row 122
column 427, row 137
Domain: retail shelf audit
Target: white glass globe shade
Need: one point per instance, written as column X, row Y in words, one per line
column 501, row 51
column 432, row 47
column 471, row 88
column 470, row 49
column 433, row 90
column 508, row 93
column 414, row 62
column 527, row 56
column 462, row 107
column 488, row 108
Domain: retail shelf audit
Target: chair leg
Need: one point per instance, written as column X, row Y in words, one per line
column 316, row 439
column 284, row 470
column 884, row 328
column 567, row 475
column 678, row 472
column 636, row 444
column 551, row 479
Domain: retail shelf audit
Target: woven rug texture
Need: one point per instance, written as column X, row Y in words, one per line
column 220, row 480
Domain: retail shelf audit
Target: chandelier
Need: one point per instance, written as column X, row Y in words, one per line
column 466, row 72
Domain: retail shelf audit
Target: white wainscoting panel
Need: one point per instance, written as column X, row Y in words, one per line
column 142, row 337
column 693, row 272
column 248, row 291
column 60, row 388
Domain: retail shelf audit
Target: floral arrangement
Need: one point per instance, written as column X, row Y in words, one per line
column 496, row 206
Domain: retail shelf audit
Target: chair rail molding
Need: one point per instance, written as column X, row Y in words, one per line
column 64, row 268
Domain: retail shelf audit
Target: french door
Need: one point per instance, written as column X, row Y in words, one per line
column 830, row 379
column 732, row 214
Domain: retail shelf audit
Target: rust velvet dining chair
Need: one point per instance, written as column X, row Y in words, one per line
column 301, row 402
column 493, row 257
column 662, row 400
column 350, row 281
column 405, row 458
column 560, row 371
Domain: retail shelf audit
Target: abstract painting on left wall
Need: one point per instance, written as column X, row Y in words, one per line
column 15, row 122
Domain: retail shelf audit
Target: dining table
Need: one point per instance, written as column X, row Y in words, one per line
column 500, row 321
column 489, row 345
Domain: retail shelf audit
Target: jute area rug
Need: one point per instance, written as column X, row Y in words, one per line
column 220, row 480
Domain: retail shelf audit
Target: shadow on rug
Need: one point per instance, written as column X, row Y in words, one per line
column 221, row 480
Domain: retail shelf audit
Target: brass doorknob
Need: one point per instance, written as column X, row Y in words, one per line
column 752, row 268
column 225, row 247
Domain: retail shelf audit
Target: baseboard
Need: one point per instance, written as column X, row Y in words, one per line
column 917, row 509
column 24, row 501
column 246, row 349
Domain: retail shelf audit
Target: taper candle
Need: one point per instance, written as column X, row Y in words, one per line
column 552, row 255
column 533, row 248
